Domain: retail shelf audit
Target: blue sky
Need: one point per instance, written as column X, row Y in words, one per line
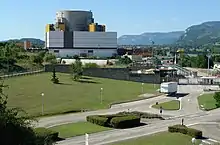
column 27, row 18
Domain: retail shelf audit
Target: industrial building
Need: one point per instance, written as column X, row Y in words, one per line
column 76, row 33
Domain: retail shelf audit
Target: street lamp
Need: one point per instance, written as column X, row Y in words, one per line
column 42, row 107
column 142, row 87
column 208, row 55
column 101, row 91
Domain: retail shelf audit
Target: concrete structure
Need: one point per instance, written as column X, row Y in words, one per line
column 75, row 20
column 75, row 33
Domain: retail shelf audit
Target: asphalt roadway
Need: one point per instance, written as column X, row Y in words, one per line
column 124, row 134
column 189, row 111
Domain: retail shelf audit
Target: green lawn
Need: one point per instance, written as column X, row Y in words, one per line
column 207, row 101
column 163, row 138
column 171, row 105
column 25, row 92
column 76, row 129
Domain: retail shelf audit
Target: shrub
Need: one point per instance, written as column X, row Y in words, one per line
column 99, row 120
column 194, row 132
column 115, row 121
column 178, row 128
column 185, row 130
column 45, row 135
column 217, row 99
column 142, row 115
column 125, row 121
column 91, row 65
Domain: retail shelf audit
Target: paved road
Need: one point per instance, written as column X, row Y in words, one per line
column 76, row 117
column 124, row 134
column 210, row 130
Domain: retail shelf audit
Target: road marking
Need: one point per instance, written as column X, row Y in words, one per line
column 206, row 142
column 212, row 140
column 192, row 124
column 180, row 99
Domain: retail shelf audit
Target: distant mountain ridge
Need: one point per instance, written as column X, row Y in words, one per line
column 159, row 38
column 204, row 33
column 34, row 41
column 201, row 34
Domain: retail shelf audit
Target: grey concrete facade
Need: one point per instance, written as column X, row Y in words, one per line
column 68, row 39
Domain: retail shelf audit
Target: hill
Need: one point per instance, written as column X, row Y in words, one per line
column 204, row 33
column 34, row 41
column 159, row 38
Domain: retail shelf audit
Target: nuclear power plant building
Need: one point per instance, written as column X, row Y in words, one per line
column 76, row 33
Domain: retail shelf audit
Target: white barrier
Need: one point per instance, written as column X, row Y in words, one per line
column 22, row 74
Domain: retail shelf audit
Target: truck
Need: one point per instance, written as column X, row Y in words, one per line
column 169, row 88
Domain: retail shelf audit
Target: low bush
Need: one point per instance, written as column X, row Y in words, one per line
column 99, row 120
column 185, row 130
column 125, row 121
column 142, row 115
column 91, row 65
column 46, row 135
column 115, row 121
column 194, row 132
column 178, row 128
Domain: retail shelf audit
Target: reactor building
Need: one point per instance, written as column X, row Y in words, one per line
column 76, row 33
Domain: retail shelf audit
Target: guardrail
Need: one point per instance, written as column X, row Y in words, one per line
column 182, row 70
column 22, row 74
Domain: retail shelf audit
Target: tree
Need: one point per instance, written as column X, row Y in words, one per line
column 217, row 99
column 54, row 79
column 37, row 59
column 91, row 65
column 14, row 129
column 49, row 57
column 77, row 69
column 15, row 126
column 125, row 60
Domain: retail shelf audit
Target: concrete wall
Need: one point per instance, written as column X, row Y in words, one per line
column 111, row 73
column 83, row 39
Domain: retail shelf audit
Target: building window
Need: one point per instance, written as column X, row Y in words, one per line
column 56, row 51
column 90, row 51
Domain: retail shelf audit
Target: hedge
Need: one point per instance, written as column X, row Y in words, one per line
column 185, row 130
column 115, row 121
column 125, row 121
column 142, row 115
column 99, row 120
column 45, row 135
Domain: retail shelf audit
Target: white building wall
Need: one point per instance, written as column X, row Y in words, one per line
column 96, row 52
column 82, row 39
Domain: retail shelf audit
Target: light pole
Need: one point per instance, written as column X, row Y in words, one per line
column 208, row 55
column 142, row 87
column 42, row 107
column 101, row 91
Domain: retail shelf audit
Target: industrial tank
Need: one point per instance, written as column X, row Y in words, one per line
column 76, row 20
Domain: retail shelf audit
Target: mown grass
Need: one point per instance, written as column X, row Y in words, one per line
column 68, row 96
